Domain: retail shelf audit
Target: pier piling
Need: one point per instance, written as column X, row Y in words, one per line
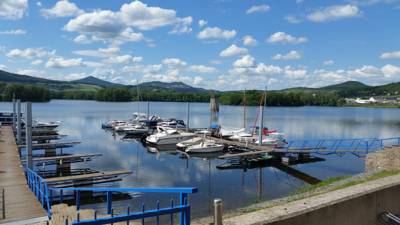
column 18, row 121
column 14, row 114
column 188, row 116
column 217, row 211
column 28, row 134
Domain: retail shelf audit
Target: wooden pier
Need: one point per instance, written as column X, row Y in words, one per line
column 20, row 202
column 252, row 146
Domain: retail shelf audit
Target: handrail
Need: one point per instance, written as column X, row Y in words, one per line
column 46, row 195
column 138, row 189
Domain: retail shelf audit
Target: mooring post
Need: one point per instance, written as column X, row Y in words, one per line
column 28, row 132
column 217, row 211
column 19, row 121
column 188, row 116
column 261, row 125
column 14, row 121
column 148, row 116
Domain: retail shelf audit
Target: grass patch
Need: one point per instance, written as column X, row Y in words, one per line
column 351, row 182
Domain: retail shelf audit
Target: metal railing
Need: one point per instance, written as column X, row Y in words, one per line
column 3, row 203
column 47, row 194
column 358, row 146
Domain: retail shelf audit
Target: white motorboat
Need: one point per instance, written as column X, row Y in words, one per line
column 241, row 137
column 139, row 117
column 273, row 139
column 45, row 125
column 187, row 143
column 173, row 123
column 168, row 137
column 225, row 132
column 135, row 130
column 205, row 147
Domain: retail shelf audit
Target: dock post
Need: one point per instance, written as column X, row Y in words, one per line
column 28, row 132
column 217, row 211
column 261, row 125
column 188, row 116
column 14, row 121
column 148, row 116
column 19, row 121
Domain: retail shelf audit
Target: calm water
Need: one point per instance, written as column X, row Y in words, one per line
column 82, row 122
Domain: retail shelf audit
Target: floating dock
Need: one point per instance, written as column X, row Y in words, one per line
column 20, row 202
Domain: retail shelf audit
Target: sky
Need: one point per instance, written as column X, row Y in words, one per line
column 214, row 44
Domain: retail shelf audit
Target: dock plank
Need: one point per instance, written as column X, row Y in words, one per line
column 21, row 203
column 87, row 176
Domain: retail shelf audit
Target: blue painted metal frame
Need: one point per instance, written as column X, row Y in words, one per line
column 47, row 194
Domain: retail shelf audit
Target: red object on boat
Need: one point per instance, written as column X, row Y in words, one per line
column 266, row 131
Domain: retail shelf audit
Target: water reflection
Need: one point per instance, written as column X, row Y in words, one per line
column 237, row 187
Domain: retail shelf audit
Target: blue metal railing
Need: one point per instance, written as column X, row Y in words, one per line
column 335, row 146
column 47, row 194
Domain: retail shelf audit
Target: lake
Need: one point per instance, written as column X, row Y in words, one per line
column 81, row 121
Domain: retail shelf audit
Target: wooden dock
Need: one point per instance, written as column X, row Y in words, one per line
column 86, row 179
column 51, row 145
column 21, row 205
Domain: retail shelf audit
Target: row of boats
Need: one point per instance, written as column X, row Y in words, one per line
column 172, row 132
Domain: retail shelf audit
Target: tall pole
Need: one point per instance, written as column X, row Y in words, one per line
column 261, row 124
column 14, row 122
column 187, row 116
column 28, row 133
column 244, row 109
column 19, row 121
column 148, row 116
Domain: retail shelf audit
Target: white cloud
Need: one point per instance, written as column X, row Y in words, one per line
column 267, row 69
column 335, row 12
column 245, row 61
column 183, row 26
column 292, row 19
column 282, row 37
column 59, row 62
column 118, row 59
column 232, row 51
column 39, row 4
column 14, row 32
column 328, row 62
column 3, row 67
column 390, row 55
column 295, row 73
column 141, row 16
column 37, row 62
column 216, row 33
column 29, row 53
column 258, row 9
column 100, row 53
column 249, row 41
column 31, row 72
column 137, row 59
column 174, row 62
column 390, row 70
column 299, row 1
column 13, row 9
column 62, row 8
column 292, row 55
column 82, row 39
column 202, row 23
column 202, row 69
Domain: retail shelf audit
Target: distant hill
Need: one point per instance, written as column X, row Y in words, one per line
column 17, row 78
column 175, row 86
column 96, row 81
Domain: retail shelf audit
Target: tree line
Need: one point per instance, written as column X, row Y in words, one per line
column 251, row 98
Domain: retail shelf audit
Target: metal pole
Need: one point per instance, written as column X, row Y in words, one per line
column 187, row 116
column 28, row 132
column 14, row 122
column 260, row 125
column 19, row 121
column 217, row 211
column 148, row 116
column 244, row 109
column 4, row 203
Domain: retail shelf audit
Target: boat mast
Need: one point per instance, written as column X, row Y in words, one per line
column 138, row 96
column 261, row 124
column 244, row 109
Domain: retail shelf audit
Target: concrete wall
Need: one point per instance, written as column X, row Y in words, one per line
column 355, row 205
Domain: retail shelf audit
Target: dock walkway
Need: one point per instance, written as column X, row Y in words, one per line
column 21, row 205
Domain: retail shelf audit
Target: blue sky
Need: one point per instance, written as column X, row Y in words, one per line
column 218, row 44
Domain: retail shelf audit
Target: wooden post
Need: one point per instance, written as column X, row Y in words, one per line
column 28, row 138
column 14, row 121
column 4, row 203
column 187, row 116
column 19, row 121
column 217, row 211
